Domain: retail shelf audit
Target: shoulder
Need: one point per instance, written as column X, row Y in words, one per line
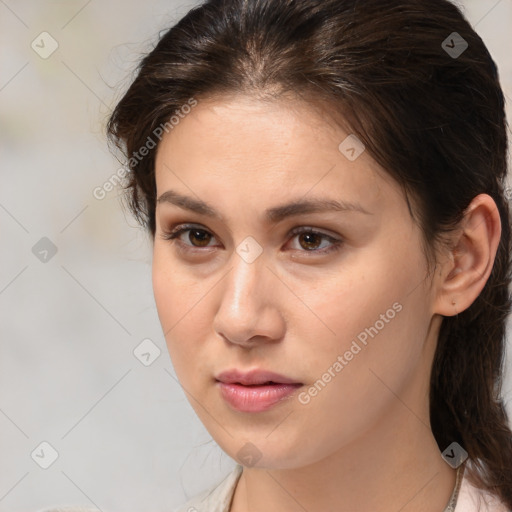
column 473, row 499
column 216, row 499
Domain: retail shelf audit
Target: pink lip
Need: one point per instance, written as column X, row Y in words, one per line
column 253, row 377
column 255, row 398
column 252, row 392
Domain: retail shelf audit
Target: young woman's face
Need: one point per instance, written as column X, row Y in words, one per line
column 345, row 312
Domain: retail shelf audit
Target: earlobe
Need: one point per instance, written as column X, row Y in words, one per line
column 467, row 269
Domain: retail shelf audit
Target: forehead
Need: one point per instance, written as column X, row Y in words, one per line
column 240, row 146
column 237, row 120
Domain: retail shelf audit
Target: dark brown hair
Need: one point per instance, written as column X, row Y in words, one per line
column 431, row 116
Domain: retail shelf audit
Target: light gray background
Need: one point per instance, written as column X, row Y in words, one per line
column 127, row 438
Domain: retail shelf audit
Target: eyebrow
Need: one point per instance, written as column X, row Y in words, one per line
column 272, row 215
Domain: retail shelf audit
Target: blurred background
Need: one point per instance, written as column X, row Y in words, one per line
column 91, row 412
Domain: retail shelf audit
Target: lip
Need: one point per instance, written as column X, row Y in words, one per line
column 253, row 377
column 251, row 391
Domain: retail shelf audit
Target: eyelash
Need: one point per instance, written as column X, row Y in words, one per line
column 174, row 233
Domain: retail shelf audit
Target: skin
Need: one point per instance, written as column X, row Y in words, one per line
column 364, row 441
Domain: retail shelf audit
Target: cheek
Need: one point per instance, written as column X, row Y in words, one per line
column 174, row 299
column 345, row 303
column 345, row 398
column 375, row 317
column 174, row 289
column 183, row 309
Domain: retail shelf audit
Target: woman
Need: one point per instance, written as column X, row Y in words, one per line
column 323, row 181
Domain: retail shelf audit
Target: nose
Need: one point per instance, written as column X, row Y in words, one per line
column 249, row 311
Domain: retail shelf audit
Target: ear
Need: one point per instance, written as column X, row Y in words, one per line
column 468, row 266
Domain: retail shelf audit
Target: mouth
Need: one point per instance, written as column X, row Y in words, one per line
column 255, row 377
column 268, row 383
column 255, row 391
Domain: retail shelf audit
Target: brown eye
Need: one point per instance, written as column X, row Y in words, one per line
column 203, row 237
column 311, row 240
column 197, row 237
